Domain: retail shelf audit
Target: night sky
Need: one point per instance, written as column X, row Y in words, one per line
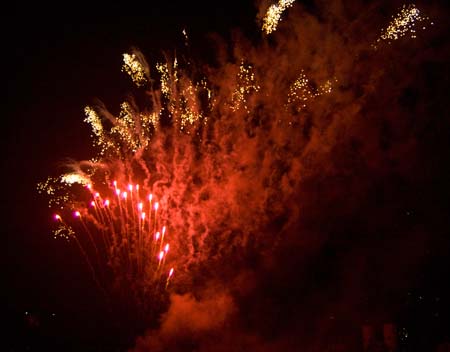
column 359, row 236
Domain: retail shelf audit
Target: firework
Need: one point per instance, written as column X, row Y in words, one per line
column 136, row 67
column 406, row 21
column 204, row 167
column 301, row 93
column 122, row 230
column 245, row 85
column 273, row 15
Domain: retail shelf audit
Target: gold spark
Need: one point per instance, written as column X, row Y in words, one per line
column 64, row 231
column 189, row 104
column 273, row 15
column 186, row 38
column 163, row 69
column 301, row 91
column 182, row 95
column 72, row 178
column 125, row 126
column 135, row 66
column 100, row 136
column 403, row 23
column 96, row 124
column 246, row 84
column 149, row 120
column 58, row 194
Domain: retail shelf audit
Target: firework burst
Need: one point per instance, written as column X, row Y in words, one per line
column 205, row 167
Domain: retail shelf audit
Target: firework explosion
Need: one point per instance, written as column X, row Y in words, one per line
column 208, row 168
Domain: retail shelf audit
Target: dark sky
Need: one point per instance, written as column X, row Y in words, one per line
column 394, row 223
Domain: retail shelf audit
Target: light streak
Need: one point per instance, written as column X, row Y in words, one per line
column 169, row 276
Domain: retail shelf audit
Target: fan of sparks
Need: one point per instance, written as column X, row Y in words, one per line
column 133, row 237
